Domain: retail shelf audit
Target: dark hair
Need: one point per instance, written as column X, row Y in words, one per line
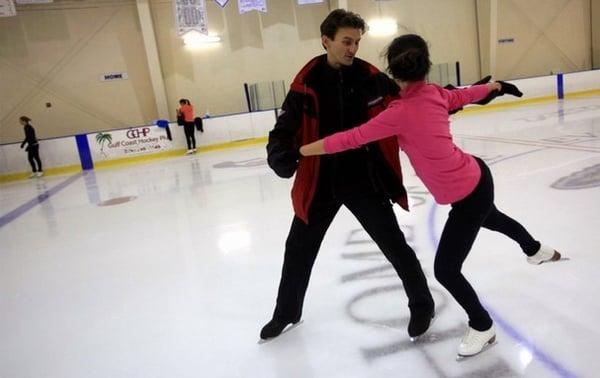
column 408, row 58
column 184, row 101
column 341, row 18
column 25, row 119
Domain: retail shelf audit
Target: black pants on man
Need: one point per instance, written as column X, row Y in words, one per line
column 188, row 129
column 464, row 221
column 33, row 155
column 378, row 219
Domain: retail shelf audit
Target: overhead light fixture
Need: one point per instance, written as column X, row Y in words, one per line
column 382, row 27
column 195, row 39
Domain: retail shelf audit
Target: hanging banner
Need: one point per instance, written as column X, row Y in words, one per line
column 250, row 5
column 34, row 1
column 190, row 15
column 7, row 8
column 222, row 3
column 304, row 2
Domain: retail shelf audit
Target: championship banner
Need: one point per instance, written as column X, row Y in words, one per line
column 222, row 3
column 304, row 2
column 7, row 8
column 130, row 142
column 250, row 5
column 190, row 15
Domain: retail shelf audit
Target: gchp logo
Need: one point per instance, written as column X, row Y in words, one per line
column 137, row 133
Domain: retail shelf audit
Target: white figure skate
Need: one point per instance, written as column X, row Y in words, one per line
column 544, row 254
column 475, row 342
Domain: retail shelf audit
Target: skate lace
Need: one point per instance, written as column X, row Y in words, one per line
column 466, row 337
column 472, row 336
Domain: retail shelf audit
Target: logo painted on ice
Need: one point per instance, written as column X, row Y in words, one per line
column 137, row 133
column 361, row 310
column 586, row 178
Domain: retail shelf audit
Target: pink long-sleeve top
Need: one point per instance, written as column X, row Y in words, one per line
column 420, row 121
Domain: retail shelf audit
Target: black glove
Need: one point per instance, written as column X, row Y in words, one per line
column 284, row 163
column 484, row 80
column 450, row 87
column 511, row 89
column 507, row 88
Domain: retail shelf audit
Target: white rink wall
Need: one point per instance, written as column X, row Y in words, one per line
column 545, row 86
column 63, row 152
column 57, row 152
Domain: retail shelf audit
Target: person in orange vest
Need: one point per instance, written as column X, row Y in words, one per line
column 186, row 114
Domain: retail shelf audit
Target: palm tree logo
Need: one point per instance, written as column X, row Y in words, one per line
column 101, row 139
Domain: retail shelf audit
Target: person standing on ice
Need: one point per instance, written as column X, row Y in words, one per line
column 33, row 147
column 337, row 91
column 186, row 111
column 419, row 121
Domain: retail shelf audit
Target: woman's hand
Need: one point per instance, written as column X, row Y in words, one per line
column 495, row 86
column 314, row 148
column 505, row 88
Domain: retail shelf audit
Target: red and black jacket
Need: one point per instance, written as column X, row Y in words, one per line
column 298, row 124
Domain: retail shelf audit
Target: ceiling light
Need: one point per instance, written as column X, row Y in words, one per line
column 194, row 38
column 382, row 27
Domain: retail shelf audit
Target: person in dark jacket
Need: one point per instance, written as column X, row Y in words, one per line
column 333, row 92
column 33, row 147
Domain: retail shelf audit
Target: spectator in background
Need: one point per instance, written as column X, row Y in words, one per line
column 186, row 112
column 33, row 147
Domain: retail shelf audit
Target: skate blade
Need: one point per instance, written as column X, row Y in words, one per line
column 423, row 337
column 555, row 258
column 488, row 345
column 285, row 330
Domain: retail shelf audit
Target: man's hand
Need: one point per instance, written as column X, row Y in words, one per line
column 511, row 89
column 484, row 80
column 284, row 163
column 505, row 88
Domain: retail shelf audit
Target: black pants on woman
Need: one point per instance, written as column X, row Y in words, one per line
column 33, row 155
column 188, row 128
column 376, row 216
column 464, row 221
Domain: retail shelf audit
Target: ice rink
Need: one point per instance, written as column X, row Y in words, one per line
column 170, row 268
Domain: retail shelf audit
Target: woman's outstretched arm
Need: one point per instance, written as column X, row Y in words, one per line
column 314, row 148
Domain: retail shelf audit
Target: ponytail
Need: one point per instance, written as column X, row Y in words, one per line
column 408, row 58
